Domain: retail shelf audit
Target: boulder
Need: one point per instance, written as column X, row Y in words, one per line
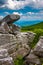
column 5, row 59
column 32, row 58
column 11, row 18
column 38, row 50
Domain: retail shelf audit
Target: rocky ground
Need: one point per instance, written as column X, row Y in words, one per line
column 19, row 45
column 16, row 43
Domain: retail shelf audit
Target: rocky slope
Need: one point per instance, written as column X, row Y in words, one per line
column 18, row 43
column 13, row 42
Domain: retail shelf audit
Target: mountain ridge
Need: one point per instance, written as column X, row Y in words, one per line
column 32, row 27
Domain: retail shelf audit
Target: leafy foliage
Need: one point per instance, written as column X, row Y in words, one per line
column 19, row 60
column 33, row 27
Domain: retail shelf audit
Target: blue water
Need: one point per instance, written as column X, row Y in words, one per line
column 26, row 23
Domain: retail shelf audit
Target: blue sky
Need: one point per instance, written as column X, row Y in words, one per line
column 28, row 10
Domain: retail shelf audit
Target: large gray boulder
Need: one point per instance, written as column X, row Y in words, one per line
column 11, row 18
column 5, row 59
column 38, row 50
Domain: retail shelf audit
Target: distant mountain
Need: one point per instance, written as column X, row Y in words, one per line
column 32, row 27
column 26, row 23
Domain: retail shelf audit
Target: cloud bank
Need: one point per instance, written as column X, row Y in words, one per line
column 14, row 4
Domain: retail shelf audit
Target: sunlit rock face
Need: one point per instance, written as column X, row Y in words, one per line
column 7, row 40
column 5, row 59
column 16, row 44
column 27, row 37
column 38, row 50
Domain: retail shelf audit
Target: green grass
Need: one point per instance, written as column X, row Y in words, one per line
column 32, row 28
column 37, row 28
column 19, row 60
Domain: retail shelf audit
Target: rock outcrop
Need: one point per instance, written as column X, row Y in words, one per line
column 27, row 37
column 6, row 25
column 14, row 43
column 17, row 44
column 11, row 18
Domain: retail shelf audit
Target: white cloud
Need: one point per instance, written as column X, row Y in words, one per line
column 33, row 16
column 14, row 4
column 6, row 13
column 34, row 0
column 35, row 13
column 30, row 13
column 38, row 4
column 18, row 13
column 2, row 6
